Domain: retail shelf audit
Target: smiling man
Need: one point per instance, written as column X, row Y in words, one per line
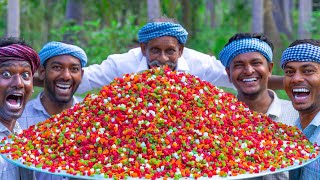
column 301, row 65
column 248, row 61
column 18, row 63
column 162, row 42
column 61, row 72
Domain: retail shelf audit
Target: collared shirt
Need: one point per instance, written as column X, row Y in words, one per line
column 34, row 113
column 9, row 171
column 196, row 63
column 281, row 110
column 310, row 171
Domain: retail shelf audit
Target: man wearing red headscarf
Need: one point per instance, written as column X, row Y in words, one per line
column 18, row 63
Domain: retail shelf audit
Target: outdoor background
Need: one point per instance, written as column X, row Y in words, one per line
column 104, row 27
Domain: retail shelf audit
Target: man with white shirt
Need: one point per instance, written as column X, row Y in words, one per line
column 162, row 42
column 248, row 61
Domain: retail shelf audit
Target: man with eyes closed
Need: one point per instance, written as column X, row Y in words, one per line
column 301, row 65
column 248, row 61
column 18, row 63
column 61, row 72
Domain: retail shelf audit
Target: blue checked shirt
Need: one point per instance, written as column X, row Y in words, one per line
column 9, row 171
column 312, row 170
column 34, row 113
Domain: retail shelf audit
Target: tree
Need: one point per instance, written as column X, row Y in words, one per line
column 153, row 9
column 281, row 13
column 13, row 18
column 305, row 11
column 270, row 28
column 257, row 16
column 74, row 16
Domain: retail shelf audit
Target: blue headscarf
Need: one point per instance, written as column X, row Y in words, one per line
column 54, row 48
column 301, row 53
column 158, row 29
column 244, row 45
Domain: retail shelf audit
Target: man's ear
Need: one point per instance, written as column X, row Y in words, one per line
column 270, row 67
column 41, row 72
column 82, row 71
column 181, row 47
column 229, row 74
column 143, row 47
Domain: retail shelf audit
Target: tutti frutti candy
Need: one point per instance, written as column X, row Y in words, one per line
column 159, row 124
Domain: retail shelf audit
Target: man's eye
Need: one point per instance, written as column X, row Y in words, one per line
column 288, row 72
column 25, row 75
column 308, row 71
column 237, row 65
column 56, row 67
column 75, row 69
column 6, row 74
column 154, row 50
column 171, row 51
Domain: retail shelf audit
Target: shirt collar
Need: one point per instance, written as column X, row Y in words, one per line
column 274, row 108
column 315, row 121
column 16, row 129
column 38, row 105
column 181, row 66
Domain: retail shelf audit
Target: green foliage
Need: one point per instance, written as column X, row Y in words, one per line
column 315, row 29
column 99, row 42
column 3, row 16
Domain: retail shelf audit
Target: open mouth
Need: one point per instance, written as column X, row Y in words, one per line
column 300, row 93
column 63, row 88
column 14, row 101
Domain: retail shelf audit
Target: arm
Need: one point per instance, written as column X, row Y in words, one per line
column 276, row 82
column 98, row 75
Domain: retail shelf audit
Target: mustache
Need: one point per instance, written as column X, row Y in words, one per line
column 159, row 63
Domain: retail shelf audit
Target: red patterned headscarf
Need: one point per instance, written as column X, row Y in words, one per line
column 21, row 53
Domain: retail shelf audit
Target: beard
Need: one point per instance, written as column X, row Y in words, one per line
column 156, row 63
column 52, row 95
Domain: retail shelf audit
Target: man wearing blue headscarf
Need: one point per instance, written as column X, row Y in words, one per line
column 61, row 71
column 162, row 42
column 301, row 65
column 248, row 61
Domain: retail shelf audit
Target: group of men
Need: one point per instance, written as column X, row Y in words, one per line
column 245, row 63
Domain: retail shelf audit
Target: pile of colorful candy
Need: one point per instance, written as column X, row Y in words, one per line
column 156, row 124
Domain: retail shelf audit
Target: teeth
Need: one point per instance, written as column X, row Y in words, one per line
column 63, row 86
column 300, row 90
column 249, row 80
column 17, row 95
column 16, row 105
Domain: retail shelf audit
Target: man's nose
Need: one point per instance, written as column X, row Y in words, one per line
column 248, row 69
column 163, row 57
column 66, row 75
column 297, row 78
column 17, row 81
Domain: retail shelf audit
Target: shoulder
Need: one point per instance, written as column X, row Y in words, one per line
column 132, row 55
column 30, row 106
column 31, row 109
column 77, row 99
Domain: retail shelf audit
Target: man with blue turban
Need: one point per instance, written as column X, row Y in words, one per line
column 61, row 71
column 162, row 42
column 301, row 65
column 247, row 58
